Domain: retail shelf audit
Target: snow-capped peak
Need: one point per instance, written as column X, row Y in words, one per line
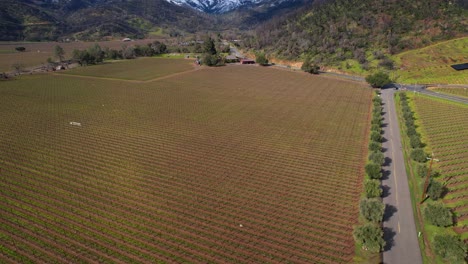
column 215, row 6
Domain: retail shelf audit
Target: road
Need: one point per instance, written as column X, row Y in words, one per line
column 399, row 227
column 422, row 89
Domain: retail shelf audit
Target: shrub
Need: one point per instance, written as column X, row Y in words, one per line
column 370, row 237
column 451, row 248
column 379, row 79
column 372, row 209
column 439, row 215
column 418, row 155
column 373, row 189
column 20, row 49
column 373, row 170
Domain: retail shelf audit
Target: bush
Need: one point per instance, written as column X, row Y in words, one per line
column 372, row 209
column 435, row 190
column 373, row 189
column 379, row 79
column 418, row 155
column 376, row 128
column 373, row 170
column 439, row 215
column 451, row 248
column 20, row 49
column 411, row 131
column 415, row 142
column 377, row 157
column 370, row 237
column 375, row 146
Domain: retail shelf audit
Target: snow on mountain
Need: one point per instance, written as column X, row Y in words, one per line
column 215, row 6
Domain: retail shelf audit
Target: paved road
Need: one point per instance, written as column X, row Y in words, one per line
column 399, row 226
column 422, row 89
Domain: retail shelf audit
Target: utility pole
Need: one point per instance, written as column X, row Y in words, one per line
column 427, row 177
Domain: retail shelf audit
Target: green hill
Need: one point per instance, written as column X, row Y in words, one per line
column 360, row 35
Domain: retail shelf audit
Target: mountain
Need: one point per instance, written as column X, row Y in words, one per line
column 35, row 20
column 216, row 6
column 365, row 33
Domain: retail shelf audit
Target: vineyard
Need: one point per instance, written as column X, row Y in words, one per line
column 141, row 69
column 444, row 125
column 226, row 165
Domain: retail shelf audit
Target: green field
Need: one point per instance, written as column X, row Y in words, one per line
column 443, row 125
column 237, row 164
column 431, row 65
column 141, row 69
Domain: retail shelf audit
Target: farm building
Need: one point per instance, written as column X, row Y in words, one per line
column 247, row 61
column 126, row 39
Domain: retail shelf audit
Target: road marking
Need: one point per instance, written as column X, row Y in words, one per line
column 398, row 226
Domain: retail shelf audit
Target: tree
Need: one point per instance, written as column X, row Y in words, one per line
column 378, row 79
column 373, row 189
column 158, row 47
column 96, row 54
column 377, row 157
column 373, row 170
column 309, row 66
column 261, row 59
column 59, row 53
column 435, row 190
column 370, row 237
column 439, row 215
column 209, row 46
column 375, row 146
column 415, row 142
column 451, row 248
column 372, row 209
column 212, row 60
column 376, row 136
column 422, row 170
column 418, row 155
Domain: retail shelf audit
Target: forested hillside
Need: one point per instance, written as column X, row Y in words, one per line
column 363, row 31
column 92, row 19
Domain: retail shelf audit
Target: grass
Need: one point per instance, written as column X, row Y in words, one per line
column 141, row 69
column 233, row 164
column 431, row 65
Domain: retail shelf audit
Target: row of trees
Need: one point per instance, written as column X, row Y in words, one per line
column 95, row 54
column 448, row 246
column 371, row 208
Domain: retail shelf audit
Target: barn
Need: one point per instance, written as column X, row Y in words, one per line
column 247, row 61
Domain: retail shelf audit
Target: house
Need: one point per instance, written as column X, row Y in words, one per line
column 247, row 61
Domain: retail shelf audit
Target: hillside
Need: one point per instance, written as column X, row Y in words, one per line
column 359, row 35
column 91, row 20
